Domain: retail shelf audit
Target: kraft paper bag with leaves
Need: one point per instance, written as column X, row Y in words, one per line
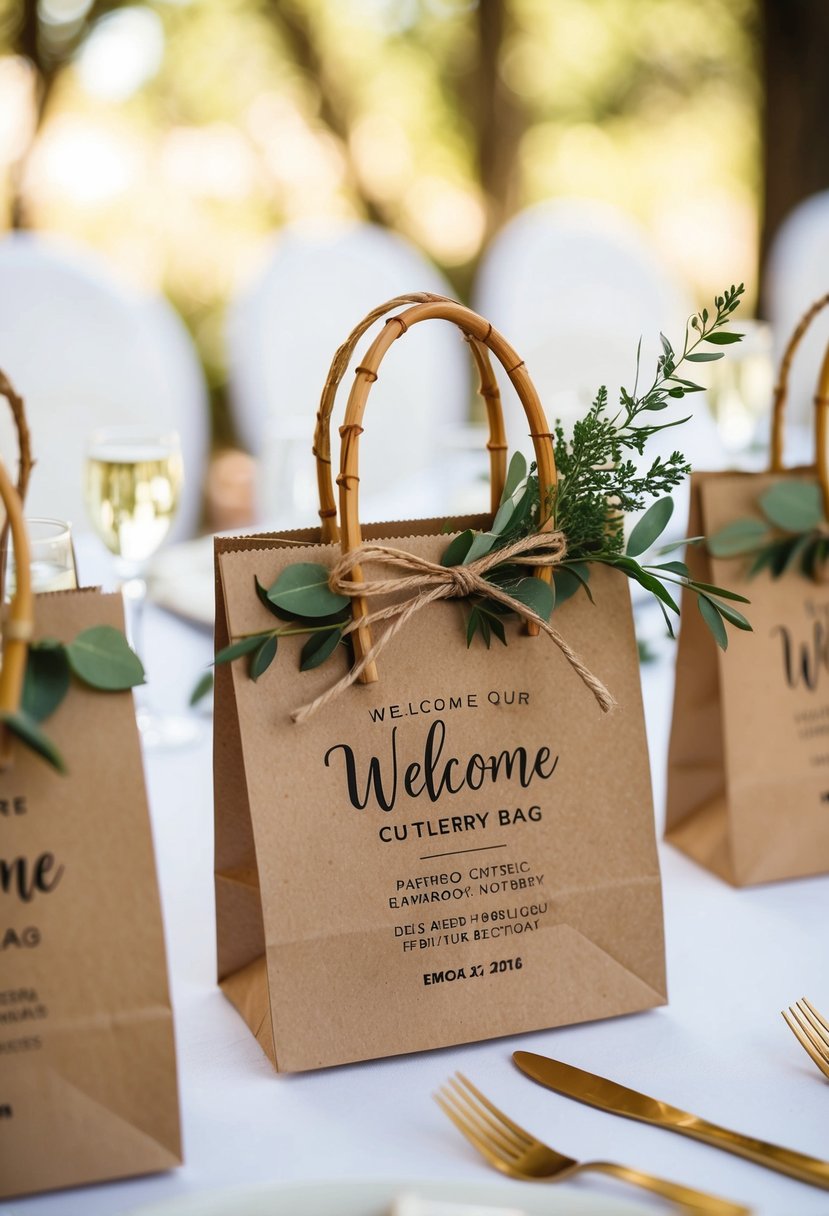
column 460, row 848
column 748, row 769
column 88, row 1087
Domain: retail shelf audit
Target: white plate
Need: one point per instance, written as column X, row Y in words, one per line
column 376, row 1198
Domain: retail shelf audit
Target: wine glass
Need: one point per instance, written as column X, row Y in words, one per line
column 52, row 557
column 134, row 476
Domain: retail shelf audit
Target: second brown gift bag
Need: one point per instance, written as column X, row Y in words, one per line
column 458, row 845
column 88, row 1088
column 748, row 776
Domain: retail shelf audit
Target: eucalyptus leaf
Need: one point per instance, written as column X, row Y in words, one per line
column 46, row 681
column 797, row 551
column 724, row 337
column 482, row 542
column 302, row 589
column 764, row 559
column 680, row 544
column 719, row 591
column 457, row 549
column 667, row 619
column 472, row 626
column 516, row 473
column 741, row 536
column 28, row 731
column 495, row 624
column 675, row 568
column 262, row 657
column 795, row 506
column 782, row 555
column 265, row 599
column 704, row 356
column 537, row 595
column 650, row 527
column 244, row 646
column 202, row 688
column 714, row 622
column 817, row 556
column 102, row 658
column 731, row 615
column 568, row 579
column 318, row 648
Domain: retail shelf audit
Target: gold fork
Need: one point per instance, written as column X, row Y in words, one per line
column 811, row 1031
column 515, row 1152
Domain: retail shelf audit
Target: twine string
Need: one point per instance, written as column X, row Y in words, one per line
column 427, row 582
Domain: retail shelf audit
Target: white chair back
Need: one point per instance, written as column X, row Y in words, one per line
column 314, row 287
column 797, row 274
column 575, row 285
column 86, row 352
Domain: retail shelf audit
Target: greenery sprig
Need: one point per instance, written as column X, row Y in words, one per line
column 792, row 535
column 99, row 657
column 599, row 484
column 303, row 601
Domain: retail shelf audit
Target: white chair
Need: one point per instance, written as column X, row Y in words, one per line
column 797, row 274
column 574, row 285
column 84, row 352
column 315, row 285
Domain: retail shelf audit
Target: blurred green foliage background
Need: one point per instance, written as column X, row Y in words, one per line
column 175, row 136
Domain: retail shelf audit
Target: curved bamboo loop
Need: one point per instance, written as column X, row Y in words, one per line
column 479, row 332
column 19, row 621
column 488, row 389
column 821, row 402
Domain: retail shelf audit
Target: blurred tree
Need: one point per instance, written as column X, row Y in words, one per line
column 176, row 135
column 796, row 149
column 48, row 46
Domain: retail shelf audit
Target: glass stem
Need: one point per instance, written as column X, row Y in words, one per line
column 134, row 592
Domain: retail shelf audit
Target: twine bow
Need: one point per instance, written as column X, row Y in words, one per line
column 428, row 582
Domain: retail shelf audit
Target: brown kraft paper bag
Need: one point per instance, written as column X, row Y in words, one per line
column 462, row 849
column 88, row 1087
column 748, row 766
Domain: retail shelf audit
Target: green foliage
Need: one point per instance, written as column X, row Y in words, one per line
column 99, row 657
column 46, row 681
column 102, row 658
column 28, row 732
column 794, row 508
column 301, row 597
column 302, row 590
column 202, row 688
column 599, row 483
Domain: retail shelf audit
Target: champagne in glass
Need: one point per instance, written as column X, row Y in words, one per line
column 133, row 482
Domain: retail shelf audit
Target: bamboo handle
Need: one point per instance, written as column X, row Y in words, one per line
column 18, row 625
column 821, row 401
column 480, row 334
column 488, row 389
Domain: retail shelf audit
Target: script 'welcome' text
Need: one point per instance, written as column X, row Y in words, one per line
column 432, row 774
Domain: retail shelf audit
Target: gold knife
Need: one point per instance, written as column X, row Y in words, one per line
column 618, row 1100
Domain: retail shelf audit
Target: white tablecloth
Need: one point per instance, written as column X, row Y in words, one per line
column 720, row 1048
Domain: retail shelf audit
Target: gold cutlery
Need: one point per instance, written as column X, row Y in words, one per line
column 811, row 1031
column 515, row 1152
column 618, row 1100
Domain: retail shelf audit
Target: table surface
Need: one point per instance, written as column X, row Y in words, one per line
column 720, row 1048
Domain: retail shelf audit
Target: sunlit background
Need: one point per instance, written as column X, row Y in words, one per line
column 175, row 136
